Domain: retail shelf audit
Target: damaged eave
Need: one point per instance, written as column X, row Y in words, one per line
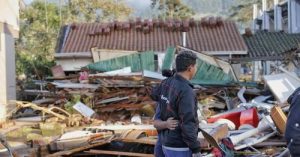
column 69, row 55
column 215, row 61
column 250, row 59
column 242, row 52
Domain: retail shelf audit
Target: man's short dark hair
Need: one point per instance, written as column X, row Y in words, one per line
column 185, row 59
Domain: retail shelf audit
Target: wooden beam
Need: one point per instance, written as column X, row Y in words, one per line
column 79, row 149
column 270, row 144
column 107, row 152
column 142, row 141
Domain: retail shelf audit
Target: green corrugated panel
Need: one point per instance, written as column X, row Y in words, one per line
column 137, row 62
column 169, row 57
column 147, row 60
column 210, row 74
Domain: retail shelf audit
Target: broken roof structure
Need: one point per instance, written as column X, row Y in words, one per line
column 211, row 70
column 212, row 36
column 264, row 45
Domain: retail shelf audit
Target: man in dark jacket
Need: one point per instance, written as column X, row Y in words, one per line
column 292, row 131
column 176, row 98
column 160, row 125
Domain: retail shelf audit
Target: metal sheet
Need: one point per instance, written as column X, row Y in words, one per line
column 281, row 85
column 137, row 62
column 169, row 58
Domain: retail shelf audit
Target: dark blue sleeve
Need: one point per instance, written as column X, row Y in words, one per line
column 189, row 124
column 157, row 112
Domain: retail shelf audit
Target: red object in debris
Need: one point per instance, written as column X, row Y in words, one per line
column 216, row 152
column 234, row 117
column 249, row 117
column 239, row 118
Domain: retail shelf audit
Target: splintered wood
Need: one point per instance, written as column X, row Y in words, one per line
column 279, row 118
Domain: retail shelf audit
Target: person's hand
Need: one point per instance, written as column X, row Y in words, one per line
column 197, row 155
column 171, row 123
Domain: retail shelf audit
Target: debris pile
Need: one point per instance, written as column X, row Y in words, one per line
column 111, row 114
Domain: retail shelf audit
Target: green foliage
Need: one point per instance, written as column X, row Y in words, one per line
column 242, row 11
column 98, row 10
column 37, row 40
column 69, row 105
column 172, row 9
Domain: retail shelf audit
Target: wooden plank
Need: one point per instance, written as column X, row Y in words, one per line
column 118, row 153
column 79, row 149
column 271, row 144
column 142, row 141
column 219, row 132
column 279, row 118
column 75, row 85
column 96, row 56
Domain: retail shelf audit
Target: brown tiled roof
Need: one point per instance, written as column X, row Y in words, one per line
column 212, row 35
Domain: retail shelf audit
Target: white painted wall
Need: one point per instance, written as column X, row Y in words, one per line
column 237, row 69
column 294, row 16
column 277, row 16
column 103, row 54
column 9, row 23
column 7, row 69
column 9, row 12
column 73, row 64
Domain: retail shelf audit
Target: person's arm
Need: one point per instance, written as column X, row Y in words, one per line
column 169, row 124
column 161, row 125
column 188, row 122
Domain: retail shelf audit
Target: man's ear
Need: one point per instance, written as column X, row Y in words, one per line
column 190, row 67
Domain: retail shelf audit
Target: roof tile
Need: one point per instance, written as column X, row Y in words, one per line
column 208, row 35
column 264, row 45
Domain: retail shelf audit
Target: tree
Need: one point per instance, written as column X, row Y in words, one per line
column 98, row 10
column 38, row 33
column 172, row 9
column 242, row 12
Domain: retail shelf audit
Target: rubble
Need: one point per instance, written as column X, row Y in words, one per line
column 110, row 111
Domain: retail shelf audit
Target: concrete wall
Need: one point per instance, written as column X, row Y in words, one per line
column 9, row 17
column 9, row 29
column 7, row 69
column 294, row 16
column 10, row 12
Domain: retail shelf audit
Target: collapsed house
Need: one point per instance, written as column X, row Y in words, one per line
column 82, row 44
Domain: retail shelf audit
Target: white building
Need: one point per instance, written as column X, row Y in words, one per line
column 9, row 30
column 283, row 16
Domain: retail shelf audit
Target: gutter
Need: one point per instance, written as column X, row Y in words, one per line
column 72, row 55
